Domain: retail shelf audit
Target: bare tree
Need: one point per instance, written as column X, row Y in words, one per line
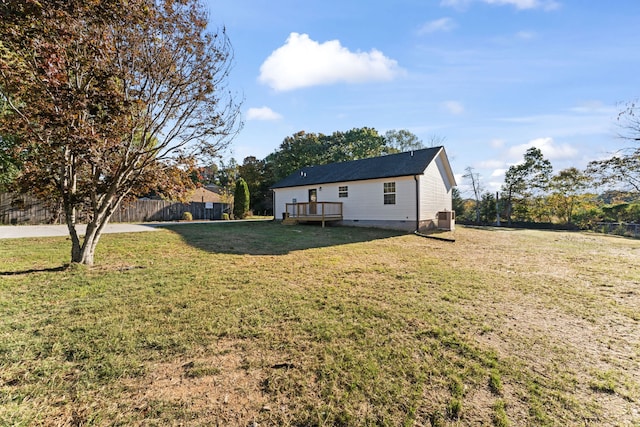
column 436, row 140
column 474, row 178
column 623, row 168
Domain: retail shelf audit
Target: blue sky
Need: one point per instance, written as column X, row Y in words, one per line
column 491, row 77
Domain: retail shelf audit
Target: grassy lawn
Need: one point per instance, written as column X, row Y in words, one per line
column 243, row 323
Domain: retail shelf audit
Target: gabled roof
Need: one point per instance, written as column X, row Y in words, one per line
column 393, row 165
column 201, row 195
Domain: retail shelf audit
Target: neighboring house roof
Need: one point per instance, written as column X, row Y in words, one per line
column 393, row 165
column 201, row 195
column 213, row 187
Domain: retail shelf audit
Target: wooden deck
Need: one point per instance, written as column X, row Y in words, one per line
column 312, row 212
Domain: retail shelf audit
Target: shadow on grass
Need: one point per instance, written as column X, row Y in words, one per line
column 558, row 230
column 507, row 228
column 272, row 238
column 35, row 270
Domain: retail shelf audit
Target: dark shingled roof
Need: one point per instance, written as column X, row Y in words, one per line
column 392, row 165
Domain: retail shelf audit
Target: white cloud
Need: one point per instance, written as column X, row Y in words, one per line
column 549, row 148
column 442, row 24
column 497, row 143
column 498, row 173
column 453, row 107
column 592, row 106
column 457, row 4
column 494, row 186
column 262, row 113
column 519, row 4
column 490, row 164
column 585, row 119
column 302, row 62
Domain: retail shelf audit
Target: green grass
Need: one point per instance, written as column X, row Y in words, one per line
column 236, row 323
column 603, row 382
column 500, row 417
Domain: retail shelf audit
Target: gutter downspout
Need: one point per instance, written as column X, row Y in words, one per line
column 415, row 178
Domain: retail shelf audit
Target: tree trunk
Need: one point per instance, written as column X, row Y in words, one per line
column 509, row 206
column 89, row 244
column 70, row 219
column 83, row 253
column 570, row 213
column 498, row 209
column 76, row 248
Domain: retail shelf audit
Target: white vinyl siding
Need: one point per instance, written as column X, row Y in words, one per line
column 365, row 201
column 435, row 190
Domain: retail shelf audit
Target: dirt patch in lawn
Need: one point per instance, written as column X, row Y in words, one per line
column 220, row 388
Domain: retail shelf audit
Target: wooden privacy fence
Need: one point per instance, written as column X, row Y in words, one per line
column 162, row 210
column 25, row 209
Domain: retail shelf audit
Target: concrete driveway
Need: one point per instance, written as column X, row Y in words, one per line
column 20, row 231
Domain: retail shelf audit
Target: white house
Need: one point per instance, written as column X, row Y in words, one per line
column 405, row 191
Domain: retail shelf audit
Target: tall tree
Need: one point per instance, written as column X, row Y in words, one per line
column 402, row 140
column 622, row 171
column 110, row 99
column 355, row 144
column 436, row 140
column 227, row 173
column 297, row 151
column 9, row 163
column 474, row 179
column 225, row 178
column 526, row 181
column 308, row 149
column 629, row 121
column 457, row 202
column 258, row 177
column 514, row 184
column 241, row 199
column 567, row 185
column 488, row 208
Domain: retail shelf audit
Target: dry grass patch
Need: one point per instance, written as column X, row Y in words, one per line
column 235, row 324
column 217, row 386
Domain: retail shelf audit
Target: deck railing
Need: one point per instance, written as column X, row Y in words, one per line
column 314, row 211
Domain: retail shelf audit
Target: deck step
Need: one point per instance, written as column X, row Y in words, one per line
column 289, row 221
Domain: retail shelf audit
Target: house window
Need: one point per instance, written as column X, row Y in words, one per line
column 389, row 193
column 343, row 191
